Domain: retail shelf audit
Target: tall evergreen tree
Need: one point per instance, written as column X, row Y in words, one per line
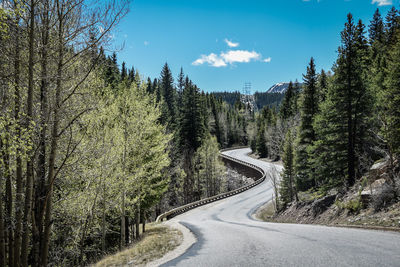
column 378, row 58
column 392, row 26
column 131, row 74
column 342, row 123
column 123, row 71
column 391, row 96
column 323, row 86
column 376, row 28
column 181, row 82
column 191, row 134
column 306, row 133
column 287, row 188
column 261, row 141
column 169, row 94
column 287, row 106
column 192, row 128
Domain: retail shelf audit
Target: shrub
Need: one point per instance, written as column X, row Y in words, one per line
column 354, row 205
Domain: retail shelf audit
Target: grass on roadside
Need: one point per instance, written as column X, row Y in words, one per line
column 155, row 243
column 266, row 211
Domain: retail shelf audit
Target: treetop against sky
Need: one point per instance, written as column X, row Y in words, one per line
column 221, row 44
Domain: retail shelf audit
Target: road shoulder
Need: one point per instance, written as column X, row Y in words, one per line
column 188, row 240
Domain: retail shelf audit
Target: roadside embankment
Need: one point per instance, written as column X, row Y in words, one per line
column 157, row 241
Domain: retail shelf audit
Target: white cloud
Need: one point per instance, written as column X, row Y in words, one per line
column 241, row 56
column 231, row 44
column 146, row 43
column 267, row 60
column 230, row 57
column 212, row 59
column 382, row 2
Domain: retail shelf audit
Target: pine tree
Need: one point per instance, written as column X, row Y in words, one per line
column 341, row 125
column 376, row 28
column 214, row 110
column 392, row 26
column 149, row 87
column 169, row 94
column 287, row 190
column 306, row 133
column 261, row 142
column 192, row 128
column 378, row 58
column 287, row 106
column 191, row 133
column 123, row 71
column 131, row 74
column 323, row 86
column 391, row 96
column 181, row 82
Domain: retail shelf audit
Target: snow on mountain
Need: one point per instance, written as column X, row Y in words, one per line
column 278, row 88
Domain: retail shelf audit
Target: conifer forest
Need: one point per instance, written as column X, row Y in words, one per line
column 91, row 150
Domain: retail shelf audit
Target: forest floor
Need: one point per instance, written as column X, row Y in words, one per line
column 158, row 240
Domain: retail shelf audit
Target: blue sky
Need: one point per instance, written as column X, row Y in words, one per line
column 221, row 44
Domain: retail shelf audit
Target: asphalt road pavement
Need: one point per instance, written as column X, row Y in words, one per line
column 227, row 235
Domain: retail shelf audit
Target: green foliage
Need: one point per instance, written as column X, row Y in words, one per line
column 209, row 169
column 341, row 125
column 168, row 92
column 268, row 99
column 265, row 120
column 306, row 134
column 354, row 205
column 391, row 101
column 287, row 190
column 191, row 127
column 288, row 105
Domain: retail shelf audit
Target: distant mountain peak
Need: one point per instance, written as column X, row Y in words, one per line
column 278, row 88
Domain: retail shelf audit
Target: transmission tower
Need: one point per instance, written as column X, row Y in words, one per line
column 247, row 97
column 247, row 88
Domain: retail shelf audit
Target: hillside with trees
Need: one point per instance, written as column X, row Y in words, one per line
column 90, row 150
column 332, row 131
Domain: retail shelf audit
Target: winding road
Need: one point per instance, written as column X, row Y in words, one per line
column 227, row 235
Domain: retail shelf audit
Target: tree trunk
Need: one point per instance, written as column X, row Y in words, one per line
column 2, row 230
column 137, row 221
column 3, row 174
column 103, row 216
column 9, row 208
column 133, row 230
column 40, row 193
column 143, row 222
column 53, row 146
column 122, row 241
column 350, row 138
column 29, row 165
column 126, row 230
column 18, row 173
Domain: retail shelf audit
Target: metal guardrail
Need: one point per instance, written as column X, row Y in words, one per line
column 169, row 214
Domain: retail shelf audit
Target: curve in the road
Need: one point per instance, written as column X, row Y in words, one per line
column 227, row 235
